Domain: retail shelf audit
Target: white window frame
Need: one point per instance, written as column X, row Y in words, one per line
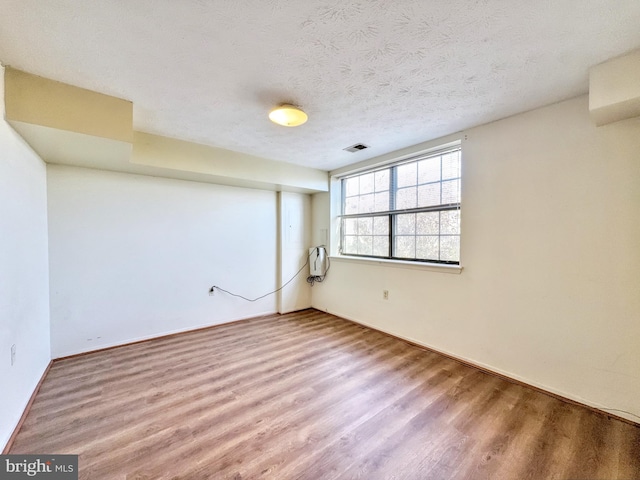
column 392, row 214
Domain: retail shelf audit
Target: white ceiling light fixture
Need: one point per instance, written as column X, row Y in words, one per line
column 288, row 115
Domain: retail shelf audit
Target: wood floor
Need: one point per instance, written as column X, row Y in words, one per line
column 311, row 396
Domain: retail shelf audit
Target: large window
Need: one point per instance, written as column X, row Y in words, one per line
column 406, row 211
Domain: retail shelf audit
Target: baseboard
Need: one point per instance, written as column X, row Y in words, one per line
column 491, row 371
column 26, row 410
column 160, row 336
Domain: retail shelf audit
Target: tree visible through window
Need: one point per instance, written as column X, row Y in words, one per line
column 408, row 211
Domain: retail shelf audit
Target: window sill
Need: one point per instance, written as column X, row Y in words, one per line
column 433, row 267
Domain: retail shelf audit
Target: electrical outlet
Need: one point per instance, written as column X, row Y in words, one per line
column 13, row 354
column 385, row 294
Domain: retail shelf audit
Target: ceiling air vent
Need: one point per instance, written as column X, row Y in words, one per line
column 356, row 148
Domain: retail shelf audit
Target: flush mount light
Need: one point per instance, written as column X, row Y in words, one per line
column 287, row 116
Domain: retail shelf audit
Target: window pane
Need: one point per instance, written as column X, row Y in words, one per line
column 381, row 246
column 366, row 203
column 352, row 186
column 366, row 183
column 365, row 245
column 429, row 170
column 382, row 180
column 351, row 205
column 405, row 247
column 428, row 223
column 350, row 226
column 381, row 201
column 350, row 244
column 451, row 165
column 451, row 191
column 407, row 174
column 381, row 226
column 429, row 195
column 427, row 247
column 450, row 248
column 365, row 226
column 406, row 198
column 406, row 224
column 450, row 222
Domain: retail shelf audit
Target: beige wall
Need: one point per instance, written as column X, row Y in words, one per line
column 137, row 255
column 24, row 274
column 550, row 291
column 294, row 218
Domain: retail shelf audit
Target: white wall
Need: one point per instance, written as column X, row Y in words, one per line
column 295, row 238
column 550, row 291
column 24, row 277
column 320, row 212
column 133, row 257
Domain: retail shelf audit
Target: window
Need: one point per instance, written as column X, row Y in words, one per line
column 406, row 211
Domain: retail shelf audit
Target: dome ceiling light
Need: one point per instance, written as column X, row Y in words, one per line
column 287, row 115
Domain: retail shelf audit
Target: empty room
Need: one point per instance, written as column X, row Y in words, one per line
column 321, row 239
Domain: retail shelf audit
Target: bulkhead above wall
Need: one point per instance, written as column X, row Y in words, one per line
column 614, row 89
column 69, row 125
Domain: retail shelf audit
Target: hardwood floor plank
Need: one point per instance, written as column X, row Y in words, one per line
column 383, row 451
column 225, row 414
column 213, row 393
column 350, row 377
column 308, row 395
column 336, row 423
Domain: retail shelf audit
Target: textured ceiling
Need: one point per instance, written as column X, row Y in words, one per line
column 387, row 73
